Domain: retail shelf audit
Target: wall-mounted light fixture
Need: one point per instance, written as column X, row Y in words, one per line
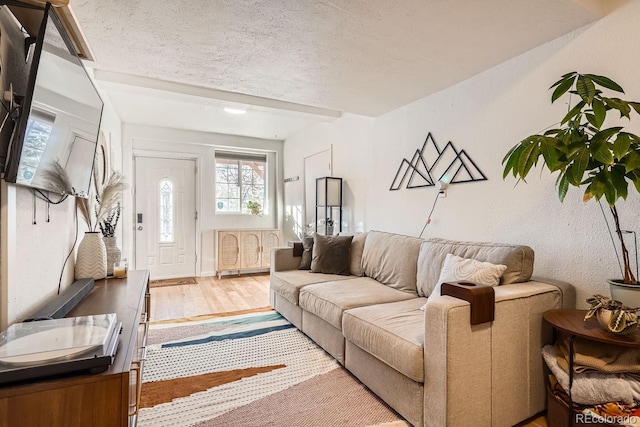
column 442, row 192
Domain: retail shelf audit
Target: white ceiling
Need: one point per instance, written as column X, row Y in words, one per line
column 178, row 63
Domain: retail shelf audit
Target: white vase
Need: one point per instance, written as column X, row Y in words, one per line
column 113, row 253
column 628, row 295
column 91, row 259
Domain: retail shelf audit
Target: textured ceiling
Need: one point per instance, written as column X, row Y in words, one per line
column 359, row 56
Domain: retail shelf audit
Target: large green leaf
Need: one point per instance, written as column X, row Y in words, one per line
column 550, row 153
column 600, row 151
column 631, row 161
column 618, row 104
column 528, row 158
column 600, row 111
column 605, row 82
column 569, row 76
column 585, row 88
column 619, row 182
column 563, row 86
column 580, row 164
column 621, row 145
column 573, row 112
column 563, row 186
column 511, row 160
column 636, row 106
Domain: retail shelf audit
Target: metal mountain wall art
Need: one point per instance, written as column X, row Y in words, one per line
column 430, row 164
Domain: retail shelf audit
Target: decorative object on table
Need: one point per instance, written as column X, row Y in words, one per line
column 120, row 268
column 91, row 259
column 255, row 208
column 431, row 164
column 583, row 153
column 104, row 214
column 329, row 223
column 108, row 229
column 328, row 203
column 613, row 315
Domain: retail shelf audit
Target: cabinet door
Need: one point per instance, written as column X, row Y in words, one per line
column 270, row 239
column 250, row 249
column 228, row 250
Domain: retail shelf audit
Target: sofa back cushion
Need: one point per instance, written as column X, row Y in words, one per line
column 357, row 247
column 392, row 259
column 517, row 258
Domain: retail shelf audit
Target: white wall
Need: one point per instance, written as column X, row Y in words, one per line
column 164, row 142
column 486, row 116
column 33, row 255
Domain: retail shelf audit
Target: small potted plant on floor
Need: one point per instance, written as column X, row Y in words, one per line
column 585, row 153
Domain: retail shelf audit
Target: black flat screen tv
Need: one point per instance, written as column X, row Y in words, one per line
column 59, row 116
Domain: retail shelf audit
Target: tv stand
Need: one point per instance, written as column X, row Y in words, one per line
column 109, row 398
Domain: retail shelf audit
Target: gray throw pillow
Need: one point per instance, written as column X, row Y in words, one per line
column 307, row 247
column 331, row 254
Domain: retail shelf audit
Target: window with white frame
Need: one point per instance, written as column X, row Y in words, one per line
column 240, row 178
column 166, row 211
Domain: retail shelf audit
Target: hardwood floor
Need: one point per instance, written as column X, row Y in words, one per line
column 231, row 293
column 210, row 296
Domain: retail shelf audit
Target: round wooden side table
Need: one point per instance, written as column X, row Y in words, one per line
column 572, row 323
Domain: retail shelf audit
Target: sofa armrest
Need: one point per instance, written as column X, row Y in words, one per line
column 282, row 259
column 489, row 373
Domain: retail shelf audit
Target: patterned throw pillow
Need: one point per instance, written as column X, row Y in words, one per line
column 456, row 269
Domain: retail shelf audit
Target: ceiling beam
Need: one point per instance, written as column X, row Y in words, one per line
column 205, row 92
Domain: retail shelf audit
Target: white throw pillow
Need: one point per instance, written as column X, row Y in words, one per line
column 456, row 269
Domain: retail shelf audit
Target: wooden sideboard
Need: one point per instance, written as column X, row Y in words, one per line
column 106, row 399
column 239, row 250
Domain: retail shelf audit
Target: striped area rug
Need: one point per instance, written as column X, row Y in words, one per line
column 252, row 369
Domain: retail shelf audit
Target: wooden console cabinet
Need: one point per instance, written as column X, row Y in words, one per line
column 106, row 399
column 239, row 250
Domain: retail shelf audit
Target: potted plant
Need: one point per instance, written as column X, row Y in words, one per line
column 587, row 154
column 255, row 208
column 93, row 260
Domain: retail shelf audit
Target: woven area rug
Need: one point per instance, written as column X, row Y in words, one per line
column 251, row 369
column 173, row 282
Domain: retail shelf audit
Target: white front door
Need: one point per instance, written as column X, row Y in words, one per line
column 165, row 221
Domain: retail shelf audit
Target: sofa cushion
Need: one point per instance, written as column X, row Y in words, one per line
column 329, row 300
column 393, row 333
column 392, row 259
column 331, row 254
column 305, row 259
column 517, row 258
column 288, row 283
column 357, row 247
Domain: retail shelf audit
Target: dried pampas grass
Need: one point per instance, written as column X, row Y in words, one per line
column 58, row 178
column 105, row 202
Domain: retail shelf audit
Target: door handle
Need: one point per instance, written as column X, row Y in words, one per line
column 139, row 227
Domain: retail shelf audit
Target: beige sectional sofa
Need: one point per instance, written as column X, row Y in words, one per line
column 432, row 366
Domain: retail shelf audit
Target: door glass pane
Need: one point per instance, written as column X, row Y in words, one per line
column 166, row 211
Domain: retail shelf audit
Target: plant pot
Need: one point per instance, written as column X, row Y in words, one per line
column 91, row 259
column 628, row 295
column 113, row 253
